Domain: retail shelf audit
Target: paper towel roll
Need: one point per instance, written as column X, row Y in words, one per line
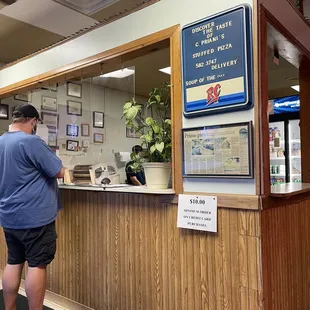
column 124, row 156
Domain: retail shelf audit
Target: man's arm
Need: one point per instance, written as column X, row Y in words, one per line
column 135, row 181
column 61, row 174
column 43, row 158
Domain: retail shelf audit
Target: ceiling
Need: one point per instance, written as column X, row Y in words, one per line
column 146, row 73
column 28, row 26
column 285, row 73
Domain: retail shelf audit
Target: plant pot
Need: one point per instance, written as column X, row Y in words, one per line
column 157, row 175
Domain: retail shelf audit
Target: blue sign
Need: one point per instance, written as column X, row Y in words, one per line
column 286, row 105
column 217, row 63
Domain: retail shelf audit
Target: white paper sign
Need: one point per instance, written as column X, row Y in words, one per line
column 42, row 132
column 197, row 212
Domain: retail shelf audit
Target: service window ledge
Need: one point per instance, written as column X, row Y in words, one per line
column 120, row 189
column 233, row 201
column 289, row 189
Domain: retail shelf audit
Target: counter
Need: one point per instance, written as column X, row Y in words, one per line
column 120, row 188
column 289, row 189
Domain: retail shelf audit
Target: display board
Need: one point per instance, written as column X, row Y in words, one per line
column 217, row 63
column 218, row 151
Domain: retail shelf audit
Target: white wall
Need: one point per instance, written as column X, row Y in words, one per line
column 159, row 16
column 94, row 98
column 156, row 17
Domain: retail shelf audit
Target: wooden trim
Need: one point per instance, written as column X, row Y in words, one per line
column 76, row 69
column 281, row 202
column 245, row 202
column 256, row 84
column 288, row 21
column 176, row 99
column 263, row 105
column 304, row 95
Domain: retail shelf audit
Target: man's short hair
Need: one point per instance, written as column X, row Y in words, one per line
column 137, row 149
column 21, row 120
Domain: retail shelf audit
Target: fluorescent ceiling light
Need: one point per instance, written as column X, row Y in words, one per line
column 87, row 7
column 296, row 87
column 119, row 74
column 166, row 70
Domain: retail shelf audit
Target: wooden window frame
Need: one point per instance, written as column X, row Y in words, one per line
column 92, row 65
column 285, row 20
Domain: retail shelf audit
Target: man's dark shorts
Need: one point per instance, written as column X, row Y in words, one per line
column 37, row 246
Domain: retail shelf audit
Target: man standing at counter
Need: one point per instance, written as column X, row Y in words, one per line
column 135, row 178
column 29, row 203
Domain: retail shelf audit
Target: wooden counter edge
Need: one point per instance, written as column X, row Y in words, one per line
column 283, row 200
column 233, row 201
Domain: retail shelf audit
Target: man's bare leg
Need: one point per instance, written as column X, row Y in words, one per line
column 10, row 284
column 35, row 287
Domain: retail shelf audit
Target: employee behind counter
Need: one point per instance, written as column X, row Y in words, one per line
column 135, row 178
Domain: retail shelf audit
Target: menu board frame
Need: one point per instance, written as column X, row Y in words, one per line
column 248, row 175
column 222, row 99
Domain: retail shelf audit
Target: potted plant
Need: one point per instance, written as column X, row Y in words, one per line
column 155, row 130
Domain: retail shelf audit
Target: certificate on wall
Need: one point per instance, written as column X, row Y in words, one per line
column 217, row 63
column 218, row 151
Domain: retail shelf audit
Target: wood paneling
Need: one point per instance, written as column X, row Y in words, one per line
column 286, row 256
column 124, row 251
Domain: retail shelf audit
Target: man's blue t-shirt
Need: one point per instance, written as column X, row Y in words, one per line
column 29, row 193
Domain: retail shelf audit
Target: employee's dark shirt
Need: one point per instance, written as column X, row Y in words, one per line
column 130, row 173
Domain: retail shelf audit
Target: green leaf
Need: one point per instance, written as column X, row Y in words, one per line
column 152, row 149
column 132, row 112
column 127, row 105
column 168, row 121
column 149, row 121
column 155, row 127
column 147, row 138
column 158, row 98
column 160, row 147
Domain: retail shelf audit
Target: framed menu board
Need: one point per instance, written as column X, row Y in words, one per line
column 217, row 63
column 224, row 151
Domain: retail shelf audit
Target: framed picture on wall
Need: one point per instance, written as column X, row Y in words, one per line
column 49, row 104
column 74, row 90
column 72, row 145
column 131, row 133
column 228, row 148
column 85, row 130
column 98, row 119
column 74, row 108
column 72, row 130
column 51, row 87
column 4, row 111
column 52, row 139
column 98, row 138
column 50, row 120
column 23, row 97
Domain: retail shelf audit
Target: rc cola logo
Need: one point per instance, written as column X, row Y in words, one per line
column 213, row 94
